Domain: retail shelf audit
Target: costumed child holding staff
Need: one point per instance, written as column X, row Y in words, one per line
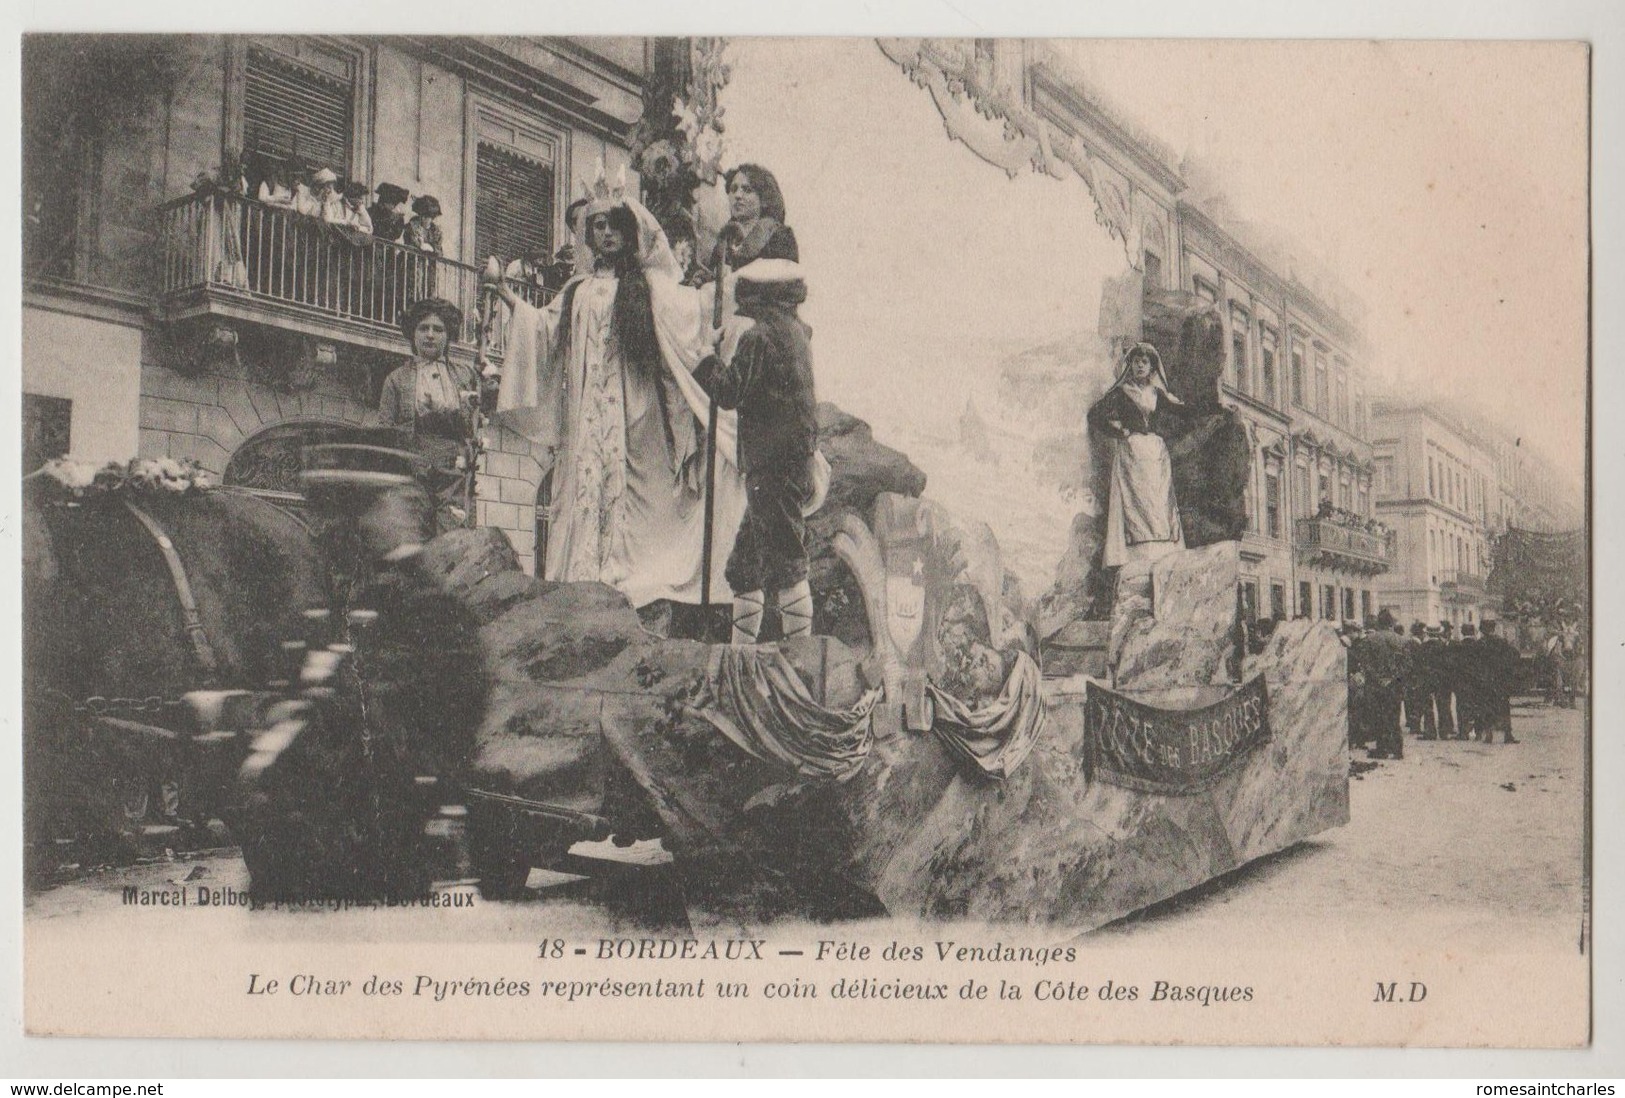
column 765, row 371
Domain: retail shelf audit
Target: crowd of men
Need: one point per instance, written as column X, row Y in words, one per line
column 1430, row 682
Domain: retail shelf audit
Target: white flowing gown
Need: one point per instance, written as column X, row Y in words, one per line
column 628, row 511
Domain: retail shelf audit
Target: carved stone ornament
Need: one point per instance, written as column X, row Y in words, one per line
column 994, row 123
column 205, row 347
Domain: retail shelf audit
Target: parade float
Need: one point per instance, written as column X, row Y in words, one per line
column 942, row 747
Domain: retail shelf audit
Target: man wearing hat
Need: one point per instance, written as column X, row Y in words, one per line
column 388, row 213
column 1384, row 652
column 1470, row 684
column 323, row 192
column 1445, row 675
column 1415, row 688
column 768, row 377
column 349, row 214
column 423, row 234
column 1431, row 658
column 1500, row 661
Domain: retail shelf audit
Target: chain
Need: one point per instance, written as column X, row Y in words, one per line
column 98, row 705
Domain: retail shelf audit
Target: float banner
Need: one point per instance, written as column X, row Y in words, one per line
column 1171, row 751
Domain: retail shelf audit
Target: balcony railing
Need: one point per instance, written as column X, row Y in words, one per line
column 224, row 247
column 1465, row 584
column 1333, row 544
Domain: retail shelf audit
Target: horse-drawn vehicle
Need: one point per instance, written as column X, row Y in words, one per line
column 366, row 676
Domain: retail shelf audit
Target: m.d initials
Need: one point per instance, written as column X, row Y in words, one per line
column 1388, row 993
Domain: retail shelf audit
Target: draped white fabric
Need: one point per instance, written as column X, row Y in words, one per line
column 628, row 501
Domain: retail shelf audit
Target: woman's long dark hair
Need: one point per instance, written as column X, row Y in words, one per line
column 633, row 323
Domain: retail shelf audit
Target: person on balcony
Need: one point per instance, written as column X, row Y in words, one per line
column 423, row 231
column 268, row 245
column 349, row 272
column 348, row 212
column 1142, row 515
column 275, row 189
column 570, row 260
column 423, row 234
column 388, row 214
column 323, row 192
column 601, row 381
column 529, row 272
column 434, row 404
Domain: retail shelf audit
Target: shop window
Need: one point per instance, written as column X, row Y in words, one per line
column 1238, row 352
column 1249, row 600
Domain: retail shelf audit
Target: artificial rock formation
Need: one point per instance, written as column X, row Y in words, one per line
column 1050, row 846
column 1210, row 454
column 591, row 712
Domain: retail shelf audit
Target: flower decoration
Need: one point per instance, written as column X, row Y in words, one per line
column 660, row 162
column 74, row 480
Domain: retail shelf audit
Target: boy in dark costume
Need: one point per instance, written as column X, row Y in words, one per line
column 769, row 379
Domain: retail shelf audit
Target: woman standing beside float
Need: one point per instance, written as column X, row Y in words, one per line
column 434, row 404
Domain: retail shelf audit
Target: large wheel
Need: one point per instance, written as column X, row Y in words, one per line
column 504, row 846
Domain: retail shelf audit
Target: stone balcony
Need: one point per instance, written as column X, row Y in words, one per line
column 1464, row 587
column 1328, row 543
column 228, row 258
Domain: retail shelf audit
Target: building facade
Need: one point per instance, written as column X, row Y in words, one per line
column 1295, row 374
column 171, row 315
column 1450, row 484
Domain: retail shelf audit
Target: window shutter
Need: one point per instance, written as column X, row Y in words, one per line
column 291, row 110
column 513, row 205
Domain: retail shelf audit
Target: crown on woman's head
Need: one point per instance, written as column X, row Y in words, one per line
column 604, row 194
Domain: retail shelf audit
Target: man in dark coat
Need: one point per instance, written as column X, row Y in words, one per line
column 1470, row 684
column 768, row 378
column 1416, row 687
column 1434, row 661
column 1500, row 662
column 1358, row 673
column 1384, row 661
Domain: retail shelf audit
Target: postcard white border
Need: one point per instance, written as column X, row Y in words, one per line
column 1596, row 21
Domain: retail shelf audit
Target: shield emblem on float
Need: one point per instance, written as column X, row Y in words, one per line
column 905, row 604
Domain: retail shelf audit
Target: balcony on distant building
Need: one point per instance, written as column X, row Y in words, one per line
column 230, row 258
column 1461, row 586
column 1333, row 543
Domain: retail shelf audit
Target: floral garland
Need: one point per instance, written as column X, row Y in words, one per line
column 678, row 144
column 80, row 480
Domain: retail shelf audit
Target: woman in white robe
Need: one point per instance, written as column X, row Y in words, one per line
column 625, row 437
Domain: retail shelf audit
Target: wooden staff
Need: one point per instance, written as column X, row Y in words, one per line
column 708, row 546
column 484, row 372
